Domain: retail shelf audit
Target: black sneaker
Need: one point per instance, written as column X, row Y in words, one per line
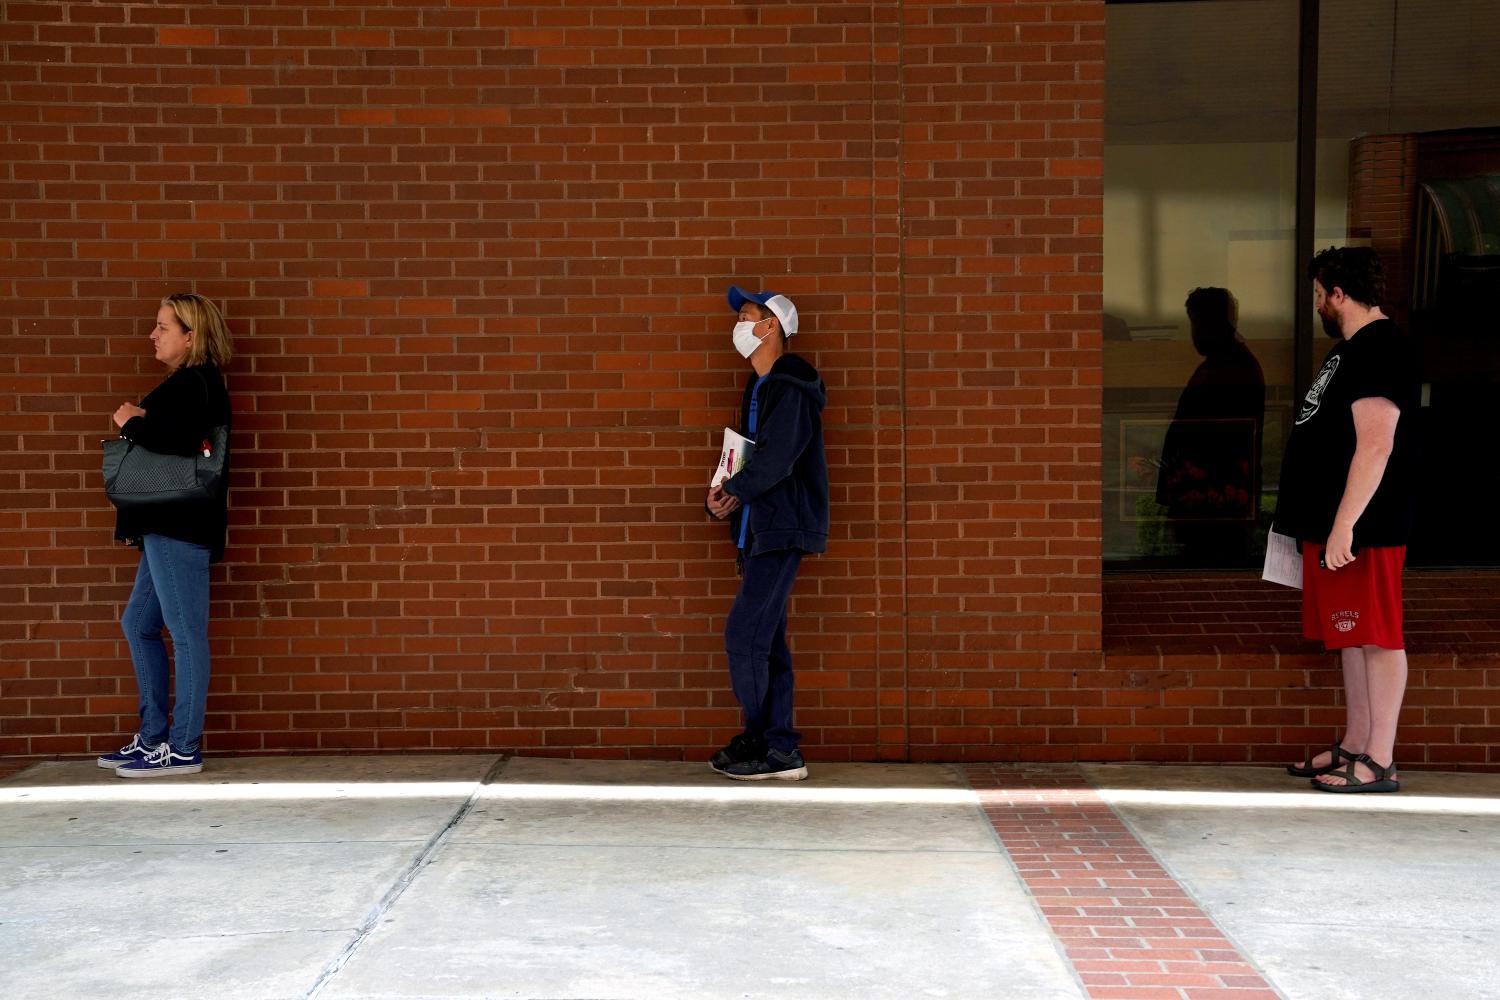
column 784, row 765
column 740, row 749
column 128, row 754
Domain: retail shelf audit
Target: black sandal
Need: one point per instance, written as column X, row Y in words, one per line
column 1334, row 763
column 1382, row 782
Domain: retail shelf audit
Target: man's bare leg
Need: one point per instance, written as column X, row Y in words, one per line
column 1384, row 673
column 1356, row 706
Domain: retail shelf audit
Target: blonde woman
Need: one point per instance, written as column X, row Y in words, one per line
column 178, row 541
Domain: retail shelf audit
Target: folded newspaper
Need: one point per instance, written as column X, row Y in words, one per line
column 736, row 452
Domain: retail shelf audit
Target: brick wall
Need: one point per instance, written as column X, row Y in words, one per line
column 1002, row 216
column 1444, row 611
column 474, row 256
column 1213, row 667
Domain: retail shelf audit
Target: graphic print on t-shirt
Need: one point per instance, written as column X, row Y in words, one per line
column 1314, row 397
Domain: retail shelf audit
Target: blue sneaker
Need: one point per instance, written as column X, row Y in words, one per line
column 134, row 751
column 161, row 762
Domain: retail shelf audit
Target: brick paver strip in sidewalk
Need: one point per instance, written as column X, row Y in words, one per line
column 1128, row 927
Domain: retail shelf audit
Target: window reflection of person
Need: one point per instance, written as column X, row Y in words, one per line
column 1210, row 471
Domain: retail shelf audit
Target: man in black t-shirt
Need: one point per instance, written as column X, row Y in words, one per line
column 1347, row 492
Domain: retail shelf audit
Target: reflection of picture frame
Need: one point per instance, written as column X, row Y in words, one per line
column 1140, row 462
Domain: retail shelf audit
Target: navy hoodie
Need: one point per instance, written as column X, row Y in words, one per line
column 783, row 488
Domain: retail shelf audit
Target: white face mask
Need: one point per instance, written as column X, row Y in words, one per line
column 745, row 340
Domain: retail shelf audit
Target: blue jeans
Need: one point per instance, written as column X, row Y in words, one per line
column 760, row 664
column 171, row 589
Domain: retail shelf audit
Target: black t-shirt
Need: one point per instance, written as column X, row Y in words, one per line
column 1377, row 361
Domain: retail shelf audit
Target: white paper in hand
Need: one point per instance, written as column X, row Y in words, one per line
column 732, row 458
column 1283, row 561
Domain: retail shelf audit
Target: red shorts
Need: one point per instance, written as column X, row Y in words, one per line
column 1359, row 605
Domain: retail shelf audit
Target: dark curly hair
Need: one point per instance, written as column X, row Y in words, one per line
column 1214, row 313
column 1357, row 270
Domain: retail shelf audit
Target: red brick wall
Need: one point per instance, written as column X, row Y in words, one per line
column 1237, row 706
column 1213, row 667
column 474, row 256
column 1001, row 295
column 1444, row 611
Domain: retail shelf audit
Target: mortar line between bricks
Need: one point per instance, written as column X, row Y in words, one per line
column 403, row 880
column 1123, row 931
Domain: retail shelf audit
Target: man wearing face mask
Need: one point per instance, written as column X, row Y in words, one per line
column 777, row 507
column 1347, row 496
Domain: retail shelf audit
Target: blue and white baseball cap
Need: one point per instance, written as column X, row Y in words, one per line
column 781, row 307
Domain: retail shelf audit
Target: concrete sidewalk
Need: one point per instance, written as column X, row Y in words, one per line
column 406, row 877
column 1363, row 897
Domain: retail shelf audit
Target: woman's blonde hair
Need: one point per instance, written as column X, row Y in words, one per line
column 202, row 317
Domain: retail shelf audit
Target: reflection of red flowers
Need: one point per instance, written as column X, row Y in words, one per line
column 1193, row 493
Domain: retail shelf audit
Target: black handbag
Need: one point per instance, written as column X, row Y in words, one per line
column 138, row 477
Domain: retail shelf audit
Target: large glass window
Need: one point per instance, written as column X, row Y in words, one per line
column 1200, row 172
column 1201, row 166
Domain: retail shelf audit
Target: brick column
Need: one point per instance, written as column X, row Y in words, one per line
column 1002, row 200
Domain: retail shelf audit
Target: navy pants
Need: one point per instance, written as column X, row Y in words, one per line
column 760, row 664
